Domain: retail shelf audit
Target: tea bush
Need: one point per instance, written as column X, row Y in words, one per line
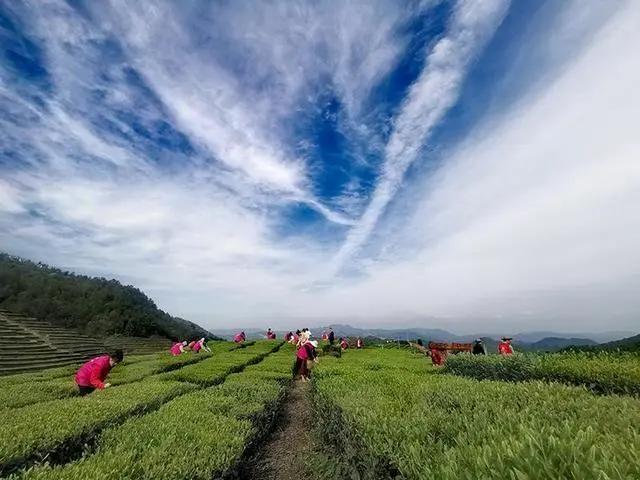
column 400, row 421
column 603, row 372
column 200, row 435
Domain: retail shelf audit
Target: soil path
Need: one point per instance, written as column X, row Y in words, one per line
column 283, row 454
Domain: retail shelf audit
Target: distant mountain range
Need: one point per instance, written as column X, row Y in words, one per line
column 543, row 340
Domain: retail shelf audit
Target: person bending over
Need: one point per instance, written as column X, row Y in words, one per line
column 92, row 374
column 200, row 345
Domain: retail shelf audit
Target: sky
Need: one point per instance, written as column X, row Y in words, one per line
column 426, row 163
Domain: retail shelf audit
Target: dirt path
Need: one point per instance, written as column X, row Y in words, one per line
column 282, row 455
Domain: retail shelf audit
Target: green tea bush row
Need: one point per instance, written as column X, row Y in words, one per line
column 21, row 394
column 399, row 422
column 55, row 428
column 212, row 370
column 42, row 375
column 38, row 431
column 67, row 371
column 166, row 363
column 201, row 435
column 603, row 372
column 60, row 383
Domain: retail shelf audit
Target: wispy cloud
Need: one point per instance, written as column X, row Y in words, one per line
column 168, row 146
column 429, row 98
column 532, row 222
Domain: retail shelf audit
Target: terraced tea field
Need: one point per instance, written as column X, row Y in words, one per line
column 371, row 414
column 30, row 344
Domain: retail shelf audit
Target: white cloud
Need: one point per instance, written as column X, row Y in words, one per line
column 535, row 212
column 536, row 215
column 429, row 98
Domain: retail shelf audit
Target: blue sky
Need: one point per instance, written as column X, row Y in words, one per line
column 451, row 163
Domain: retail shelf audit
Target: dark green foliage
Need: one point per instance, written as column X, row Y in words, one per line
column 333, row 350
column 96, row 306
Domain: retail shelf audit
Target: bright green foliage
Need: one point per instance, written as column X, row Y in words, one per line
column 197, row 436
column 70, row 370
column 59, row 383
column 21, row 394
column 386, row 417
column 213, row 370
column 164, row 362
column 602, row 372
column 36, row 430
column 42, row 375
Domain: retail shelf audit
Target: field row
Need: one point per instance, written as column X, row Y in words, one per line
column 19, row 390
column 56, row 430
column 200, row 435
column 386, row 414
column 604, row 372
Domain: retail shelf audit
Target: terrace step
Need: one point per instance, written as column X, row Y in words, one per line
column 6, row 370
column 25, row 349
column 17, row 359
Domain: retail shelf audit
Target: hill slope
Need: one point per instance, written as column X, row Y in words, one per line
column 558, row 343
column 96, row 306
column 629, row 344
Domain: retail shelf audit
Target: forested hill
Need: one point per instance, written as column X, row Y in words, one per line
column 629, row 344
column 96, row 306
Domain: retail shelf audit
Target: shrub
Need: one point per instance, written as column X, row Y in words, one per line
column 400, row 421
column 51, row 429
column 601, row 372
column 200, row 435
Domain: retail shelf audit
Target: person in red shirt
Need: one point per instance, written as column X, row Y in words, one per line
column 92, row 374
column 200, row 345
column 178, row 348
column 438, row 357
column 344, row 344
column 504, row 347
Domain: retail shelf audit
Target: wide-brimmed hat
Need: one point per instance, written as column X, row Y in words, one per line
column 507, row 338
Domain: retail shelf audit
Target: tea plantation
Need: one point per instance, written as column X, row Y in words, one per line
column 376, row 413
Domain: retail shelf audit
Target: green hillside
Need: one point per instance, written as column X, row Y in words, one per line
column 629, row 344
column 95, row 306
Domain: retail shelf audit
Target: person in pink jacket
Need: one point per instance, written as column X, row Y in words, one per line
column 178, row 348
column 240, row 337
column 200, row 345
column 93, row 373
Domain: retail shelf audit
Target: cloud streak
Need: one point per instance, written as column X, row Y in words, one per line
column 533, row 220
column 176, row 149
column 429, row 98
